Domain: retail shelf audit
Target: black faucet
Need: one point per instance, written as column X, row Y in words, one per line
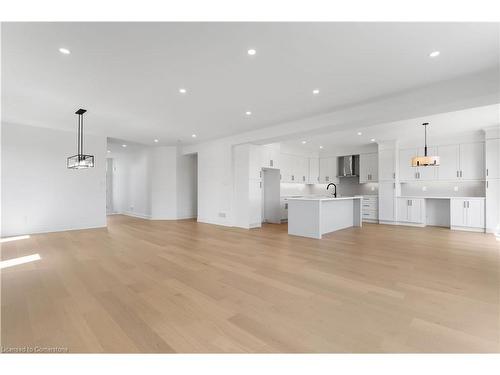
column 335, row 192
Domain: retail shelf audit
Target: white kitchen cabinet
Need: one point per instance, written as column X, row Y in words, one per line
column 313, row 171
column 461, row 162
column 411, row 210
column 449, row 162
column 406, row 171
column 467, row 213
column 492, row 158
column 428, row 173
column 386, row 165
column 271, row 155
column 493, row 206
column 368, row 168
column 328, row 170
column 303, row 169
column 409, row 173
column 369, row 208
column 386, row 201
column 472, row 161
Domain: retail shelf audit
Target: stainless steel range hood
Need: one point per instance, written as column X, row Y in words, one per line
column 348, row 166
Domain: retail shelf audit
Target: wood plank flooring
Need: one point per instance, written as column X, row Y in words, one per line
column 182, row 286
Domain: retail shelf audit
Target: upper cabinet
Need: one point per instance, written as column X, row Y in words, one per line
column 386, row 165
column 313, row 171
column 328, row 170
column 409, row 173
column 492, row 158
column 457, row 162
column 461, row 162
column 294, row 168
column 449, row 162
column 472, row 161
column 271, row 155
column 368, row 168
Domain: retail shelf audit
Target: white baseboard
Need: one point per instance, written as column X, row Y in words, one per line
column 41, row 229
column 138, row 215
column 469, row 229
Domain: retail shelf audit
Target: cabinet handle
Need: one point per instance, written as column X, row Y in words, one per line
column 293, row 177
column 468, row 204
column 303, row 178
column 260, row 174
column 394, row 175
column 318, row 178
column 487, row 184
column 327, row 178
column 280, row 176
column 460, row 173
column 286, row 206
column 271, row 163
column 260, row 184
column 486, row 172
column 465, row 204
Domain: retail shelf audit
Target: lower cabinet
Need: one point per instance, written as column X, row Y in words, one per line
column 370, row 209
column 386, row 211
column 467, row 213
column 411, row 210
column 493, row 206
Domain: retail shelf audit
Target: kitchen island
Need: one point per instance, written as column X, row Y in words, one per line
column 314, row 216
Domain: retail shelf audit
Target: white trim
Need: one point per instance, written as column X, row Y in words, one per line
column 468, row 229
column 41, row 229
column 135, row 214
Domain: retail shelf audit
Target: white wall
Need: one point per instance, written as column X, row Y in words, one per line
column 39, row 194
column 154, row 182
column 215, row 183
column 187, row 182
column 163, row 183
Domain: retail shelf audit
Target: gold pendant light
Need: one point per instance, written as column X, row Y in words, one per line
column 425, row 161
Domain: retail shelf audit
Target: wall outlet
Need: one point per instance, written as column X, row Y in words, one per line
column 222, row 214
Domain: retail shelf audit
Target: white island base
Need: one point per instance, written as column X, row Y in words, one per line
column 313, row 217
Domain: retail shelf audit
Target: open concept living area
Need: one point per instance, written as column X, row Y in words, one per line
column 250, row 187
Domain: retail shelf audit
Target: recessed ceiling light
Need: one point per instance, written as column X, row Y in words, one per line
column 64, row 51
column 359, row 133
column 109, row 151
column 304, row 142
column 193, row 135
column 248, row 113
column 434, row 54
column 182, row 91
column 315, row 91
column 124, row 145
column 373, row 139
column 320, row 146
column 251, row 52
column 156, row 141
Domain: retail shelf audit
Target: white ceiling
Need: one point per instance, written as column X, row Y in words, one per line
column 443, row 128
column 127, row 75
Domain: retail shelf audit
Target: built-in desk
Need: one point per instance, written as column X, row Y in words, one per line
column 458, row 213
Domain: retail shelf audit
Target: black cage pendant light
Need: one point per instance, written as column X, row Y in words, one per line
column 80, row 160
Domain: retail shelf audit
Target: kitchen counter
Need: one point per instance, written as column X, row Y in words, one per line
column 324, row 198
column 434, row 197
column 313, row 216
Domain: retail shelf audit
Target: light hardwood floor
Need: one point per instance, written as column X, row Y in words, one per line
column 167, row 286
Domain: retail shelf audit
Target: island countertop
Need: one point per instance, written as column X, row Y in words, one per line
column 323, row 198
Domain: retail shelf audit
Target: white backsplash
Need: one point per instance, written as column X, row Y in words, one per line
column 444, row 189
column 347, row 186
